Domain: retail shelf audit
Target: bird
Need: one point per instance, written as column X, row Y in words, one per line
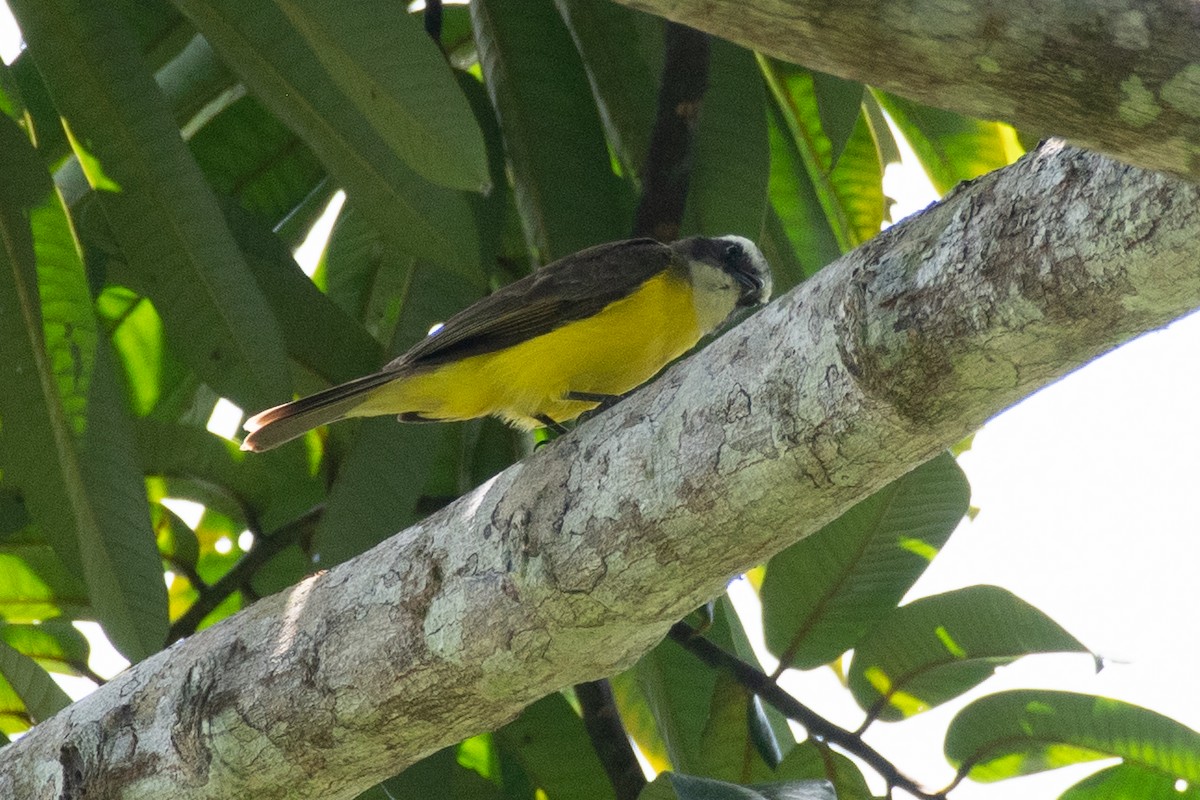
column 572, row 336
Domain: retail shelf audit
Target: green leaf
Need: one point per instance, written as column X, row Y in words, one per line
column 34, row 583
column 161, row 213
column 350, row 261
column 177, row 542
column 811, row 760
column 153, row 376
column 55, row 646
column 435, row 777
column 839, row 103
column 678, row 786
column 794, row 201
column 850, row 190
column 37, row 692
column 638, row 719
column 1130, row 781
column 823, row 593
column 727, row 748
column 41, row 118
column 679, row 691
column 248, row 155
column 196, row 84
column 731, row 158
column 69, row 325
column 1028, row 730
column 159, row 32
column 936, row 648
column 375, row 493
column 395, row 75
column 120, row 558
column 951, row 147
column 743, row 740
column 38, row 454
column 566, row 192
column 277, row 64
column 316, row 331
column 622, row 52
column 550, row 743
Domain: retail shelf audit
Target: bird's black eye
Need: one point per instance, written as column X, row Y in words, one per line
column 733, row 252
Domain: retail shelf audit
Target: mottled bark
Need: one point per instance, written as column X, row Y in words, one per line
column 569, row 565
column 1120, row 76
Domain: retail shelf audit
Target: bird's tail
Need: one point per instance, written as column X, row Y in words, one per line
column 280, row 424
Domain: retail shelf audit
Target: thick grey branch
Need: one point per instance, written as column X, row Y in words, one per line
column 569, row 565
column 1122, row 76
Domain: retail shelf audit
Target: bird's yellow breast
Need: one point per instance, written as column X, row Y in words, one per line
column 609, row 353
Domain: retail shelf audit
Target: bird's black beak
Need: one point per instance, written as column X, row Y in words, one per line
column 752, row 289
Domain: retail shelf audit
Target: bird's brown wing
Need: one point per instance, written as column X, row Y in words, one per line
column 572, row 288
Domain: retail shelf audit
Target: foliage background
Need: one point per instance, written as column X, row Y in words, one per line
column 148, row 273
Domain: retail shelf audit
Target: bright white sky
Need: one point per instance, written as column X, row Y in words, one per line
column 1084, row 491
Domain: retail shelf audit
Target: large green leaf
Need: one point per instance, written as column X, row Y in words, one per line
column 1029, row 730
column 196, row 84
column 436, row 777
column 638, row 719
column 727, row 748
column 743, row 740
column 850, row 190
column 29, row 91
column 622, row 53
column 678, row 786
column 1131, row 782
column 351, row 260
column 33, row 688
column 797, row 207
column 175, row 450
column 817, row 761
column 54, row 645
column 378, row 483
column 69, row 326
column 951, row 147
column 38, row 453
column 153, row 375
column 731, row 155
column 395, row 75
column 248, row 155
column 934, row 649
column 83, row 495
column 565, row 188
column 550, row 743
column 823, row 593
column 839, row 104
column 278, row 65
column 34, row 583
column 158, row 30
column 121, row 562
column 678, row 688
column 161, row 213
column 316, row 331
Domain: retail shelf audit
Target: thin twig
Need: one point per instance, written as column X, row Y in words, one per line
column 817, row 726
column 265, row 548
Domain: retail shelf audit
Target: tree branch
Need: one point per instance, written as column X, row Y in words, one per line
column 1123, row 77
column 572, row 563
column 668, row 170
column 609, row 739
column 817, row 726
